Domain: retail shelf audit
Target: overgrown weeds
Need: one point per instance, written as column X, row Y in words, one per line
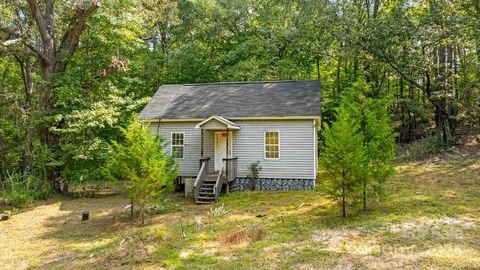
column 218, row 212
column 424, row 148
column 21, row 189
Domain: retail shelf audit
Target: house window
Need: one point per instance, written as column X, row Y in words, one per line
column 178, row 144
column 272, row 144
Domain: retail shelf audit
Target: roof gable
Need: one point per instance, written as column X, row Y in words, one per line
column 215, row 122
column 230, row 100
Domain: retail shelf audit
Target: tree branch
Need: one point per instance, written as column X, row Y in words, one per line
column 382, row 57
column 114, row 66
column 50, row 19
column 18, row 38
column 402, row 74
column 40, row 21
column 11, row 42
column 72, row 35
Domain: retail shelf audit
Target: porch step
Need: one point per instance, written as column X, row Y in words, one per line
column 206, row 192
column 205, row 202
column 203, row 198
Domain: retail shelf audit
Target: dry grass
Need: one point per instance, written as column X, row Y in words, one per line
column 248, row 234
column 430, row 221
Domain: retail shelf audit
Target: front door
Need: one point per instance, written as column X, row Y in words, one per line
column 221, row 148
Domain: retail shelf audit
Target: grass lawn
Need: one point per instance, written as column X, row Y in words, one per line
column 431, row 220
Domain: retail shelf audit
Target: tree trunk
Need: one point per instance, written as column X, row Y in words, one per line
column 445, row 124
column 131, row 209
column 364, row 195
column 320, row 83
column 339, row 63
column 142, row 213
column 3, row 161
column 26, row 72
column 376, row 6
column 52, row 60
column 65, row 187
column 344, row 208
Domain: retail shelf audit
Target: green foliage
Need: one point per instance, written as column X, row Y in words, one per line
column 139, row 159
column 43, row 159
column 254, row 169
column 20, row 189
column 423, row 55
column 423, row 148
column 343, row 157
column 414, row 118
column 378, row 136
column 360, row 146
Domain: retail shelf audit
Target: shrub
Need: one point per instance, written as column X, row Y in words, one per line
column 254, row 169
column 423, row 148
column 21, row 189
column 141, row 161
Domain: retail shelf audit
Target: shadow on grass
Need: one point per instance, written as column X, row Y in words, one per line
column 430, row 195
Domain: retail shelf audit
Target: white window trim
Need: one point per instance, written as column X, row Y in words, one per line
column 171, row 143
column 265, row 145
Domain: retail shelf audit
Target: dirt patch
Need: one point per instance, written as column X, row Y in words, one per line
column 341, row 240
column 403, row 245
column 40, row 235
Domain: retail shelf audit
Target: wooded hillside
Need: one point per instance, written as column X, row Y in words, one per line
column 74, row 72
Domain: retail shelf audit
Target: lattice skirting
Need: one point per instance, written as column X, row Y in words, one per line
column 240, row 184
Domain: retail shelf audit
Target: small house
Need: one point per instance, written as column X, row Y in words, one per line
column 219, row 131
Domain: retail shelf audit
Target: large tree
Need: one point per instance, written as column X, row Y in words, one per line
column 51, row 31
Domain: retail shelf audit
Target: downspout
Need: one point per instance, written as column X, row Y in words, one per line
column 226, row 163
column 158, row 126
column 201, row 146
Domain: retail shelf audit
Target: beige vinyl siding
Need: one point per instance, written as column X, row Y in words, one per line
column 297, row 147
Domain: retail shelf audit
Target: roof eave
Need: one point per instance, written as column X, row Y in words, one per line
column 300, row 117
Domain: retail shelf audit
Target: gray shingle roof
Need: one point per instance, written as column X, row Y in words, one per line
column 231, row 100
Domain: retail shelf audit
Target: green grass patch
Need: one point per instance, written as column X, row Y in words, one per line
column 429, row 220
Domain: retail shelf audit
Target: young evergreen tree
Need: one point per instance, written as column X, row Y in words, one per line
column 150, row 172
column 378, row 137
column 343, row 157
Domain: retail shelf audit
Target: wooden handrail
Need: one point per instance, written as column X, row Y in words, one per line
column 230, row 169
column 202, row 174
column 201, row 160
column 216, row 188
